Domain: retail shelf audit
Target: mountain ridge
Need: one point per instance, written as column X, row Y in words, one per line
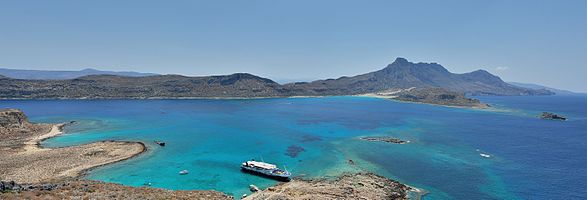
column 401, row 74
column 63, row 74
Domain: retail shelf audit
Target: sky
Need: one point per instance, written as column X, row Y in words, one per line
column 543, row 42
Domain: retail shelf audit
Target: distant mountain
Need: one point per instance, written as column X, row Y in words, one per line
column 62, row 75
column 541, row 87
column 401, row 74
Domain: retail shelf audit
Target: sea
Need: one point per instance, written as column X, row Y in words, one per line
column 530, row 158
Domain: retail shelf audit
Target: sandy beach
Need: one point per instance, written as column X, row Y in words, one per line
column 33, row 145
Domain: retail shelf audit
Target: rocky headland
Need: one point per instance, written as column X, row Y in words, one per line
column 347, row 186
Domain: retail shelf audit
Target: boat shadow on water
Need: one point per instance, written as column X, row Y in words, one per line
column 277, row 178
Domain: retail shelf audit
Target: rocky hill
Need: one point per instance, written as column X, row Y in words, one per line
column 401, row 74
column 160, row 86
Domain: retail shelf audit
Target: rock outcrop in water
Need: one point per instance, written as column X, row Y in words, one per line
column 384, row 139
column 552, row 116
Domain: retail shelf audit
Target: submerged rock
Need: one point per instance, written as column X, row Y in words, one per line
column 294, row 150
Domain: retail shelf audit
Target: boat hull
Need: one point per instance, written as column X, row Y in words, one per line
column 266, row 175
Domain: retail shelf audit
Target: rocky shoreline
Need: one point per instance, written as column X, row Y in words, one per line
column 347, row 186
column 87, row 189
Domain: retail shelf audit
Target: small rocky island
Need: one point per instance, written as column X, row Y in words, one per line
column 552, row 116
column 435, row 96
column 384, row 139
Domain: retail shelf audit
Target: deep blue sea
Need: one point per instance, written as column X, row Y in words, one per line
column 531, row 158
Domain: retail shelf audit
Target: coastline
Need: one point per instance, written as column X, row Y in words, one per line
column 35, row 164
column 480, row 106
column 176, row 98
column 34, row 144
column 59, row 172
column 57, row 129
column 362, row 185
column 369, row 95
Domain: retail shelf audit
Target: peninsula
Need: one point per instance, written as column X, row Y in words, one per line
column 430, row 83
column 27, row 169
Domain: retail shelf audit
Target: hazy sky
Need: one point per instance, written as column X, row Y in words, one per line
column 522, row 41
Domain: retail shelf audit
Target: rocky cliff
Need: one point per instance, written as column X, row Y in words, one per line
column 15, row 129
column 161, row 86
column 13, row 119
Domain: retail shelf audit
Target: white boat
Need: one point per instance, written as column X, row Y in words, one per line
column 265, row 169
column 485, row 155
column 183, row 172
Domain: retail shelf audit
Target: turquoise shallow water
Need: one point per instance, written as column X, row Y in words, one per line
column 532, row 158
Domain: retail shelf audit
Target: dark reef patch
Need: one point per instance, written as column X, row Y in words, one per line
column 294, row 150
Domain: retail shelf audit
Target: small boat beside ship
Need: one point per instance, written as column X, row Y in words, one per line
column 265, row 169
column 184, row 172
column 160, row 143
